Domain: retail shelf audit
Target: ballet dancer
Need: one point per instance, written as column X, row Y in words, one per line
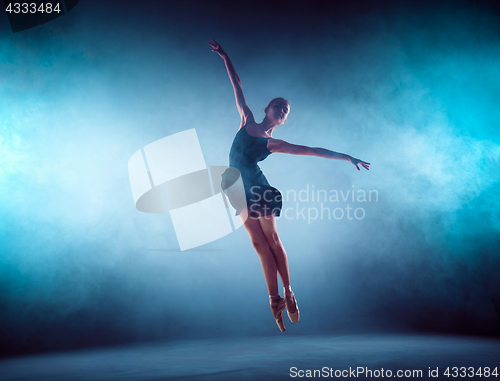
column 253, row 143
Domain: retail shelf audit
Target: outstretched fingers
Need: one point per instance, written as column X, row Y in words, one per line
column 217, row 48
column 364, row 164
column 214, row 45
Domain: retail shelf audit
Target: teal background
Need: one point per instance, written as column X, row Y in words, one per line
column 410, row 87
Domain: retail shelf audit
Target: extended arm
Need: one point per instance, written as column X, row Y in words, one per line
column 241, row 104
column 277, row 145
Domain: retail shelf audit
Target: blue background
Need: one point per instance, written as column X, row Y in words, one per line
column 411, row 87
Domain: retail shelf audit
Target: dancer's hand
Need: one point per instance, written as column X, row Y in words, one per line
column 217, row 49
column 364, row 164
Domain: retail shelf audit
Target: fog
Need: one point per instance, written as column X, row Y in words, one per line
column 410, row 88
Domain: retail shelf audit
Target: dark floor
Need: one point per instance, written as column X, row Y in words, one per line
column 264, row 358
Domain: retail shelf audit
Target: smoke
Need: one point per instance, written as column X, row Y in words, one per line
column 410, row 90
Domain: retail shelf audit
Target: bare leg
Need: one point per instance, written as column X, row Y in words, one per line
column 268, row 224
column 269, row 228
column 269, row 266
column 261, row 245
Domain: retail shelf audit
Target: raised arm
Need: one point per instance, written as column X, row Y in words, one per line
column 241, row 104
column 277, row 145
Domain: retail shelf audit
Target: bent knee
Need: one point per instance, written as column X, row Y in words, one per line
column 260, row 244
column 274, row 240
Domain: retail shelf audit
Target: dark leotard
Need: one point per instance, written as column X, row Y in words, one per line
column 246, row 151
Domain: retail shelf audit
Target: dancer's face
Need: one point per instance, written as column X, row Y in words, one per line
column 278, row 111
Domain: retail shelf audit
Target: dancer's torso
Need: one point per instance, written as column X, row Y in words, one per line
column 246, row 152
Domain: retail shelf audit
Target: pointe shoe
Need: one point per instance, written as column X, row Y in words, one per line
column 292, row 309
column 278, row 304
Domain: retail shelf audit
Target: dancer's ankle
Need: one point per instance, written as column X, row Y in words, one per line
column 288, row 290
column 274, row 297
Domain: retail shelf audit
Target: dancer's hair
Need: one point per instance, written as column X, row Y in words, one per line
column 279, row 99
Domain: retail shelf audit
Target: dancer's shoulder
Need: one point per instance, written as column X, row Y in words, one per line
column 247, row 118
